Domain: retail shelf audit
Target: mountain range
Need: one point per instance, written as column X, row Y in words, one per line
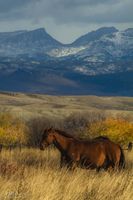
column 98, row 63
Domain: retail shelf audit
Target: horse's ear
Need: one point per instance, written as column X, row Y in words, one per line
column 50, row 129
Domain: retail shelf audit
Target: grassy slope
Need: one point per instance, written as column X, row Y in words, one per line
column 27, row 105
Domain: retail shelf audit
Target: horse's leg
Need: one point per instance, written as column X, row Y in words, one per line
column 65, row 162
column 62, row 161
column 75, row 161
column 71, row 164
column 117, row 166
column 98, row 169
column 110, row 169
column 74, row 165
column 109, row 166
column 101, row 162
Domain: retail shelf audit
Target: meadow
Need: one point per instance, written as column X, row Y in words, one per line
column 27, row 173
column 31, row 174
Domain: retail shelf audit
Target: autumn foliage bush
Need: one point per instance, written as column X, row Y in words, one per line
column 76, row 123
column 12, row 130
column 117, row 129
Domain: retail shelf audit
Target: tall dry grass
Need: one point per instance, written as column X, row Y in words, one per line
column 30, row 174
column 35, row 175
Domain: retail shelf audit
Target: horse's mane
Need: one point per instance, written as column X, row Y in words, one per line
column 65, row 134
column 74, row 137
column 101, row 137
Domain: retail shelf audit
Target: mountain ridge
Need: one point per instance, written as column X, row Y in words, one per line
column 102, row 30
column 33, row 61
column 25, row 41
column 94, row 35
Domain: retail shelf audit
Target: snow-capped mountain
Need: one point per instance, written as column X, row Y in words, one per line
column 93, row 36
column 108, row 47
column 115, row 44
column 27, row 42
column 100, row 62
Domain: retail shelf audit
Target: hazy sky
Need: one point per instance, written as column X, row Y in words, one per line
column 65, row 19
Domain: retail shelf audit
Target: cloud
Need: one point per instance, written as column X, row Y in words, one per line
column 9, row 5
column 67, row 11
column 62, row 14
column 6, row 6
column 15, row 9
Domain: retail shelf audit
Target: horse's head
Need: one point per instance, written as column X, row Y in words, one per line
column 47, row 138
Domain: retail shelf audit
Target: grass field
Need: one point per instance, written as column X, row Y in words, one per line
column 31, row 174
column 31, row 105
column 35, row 175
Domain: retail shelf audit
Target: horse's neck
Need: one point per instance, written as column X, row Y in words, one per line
column 61, row 142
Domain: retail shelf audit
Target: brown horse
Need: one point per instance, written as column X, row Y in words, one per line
column 92, row 154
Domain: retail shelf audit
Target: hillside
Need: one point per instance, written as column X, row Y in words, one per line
column 33, row 105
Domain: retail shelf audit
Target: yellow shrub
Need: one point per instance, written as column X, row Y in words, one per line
column 118, row 130
column 12, row 130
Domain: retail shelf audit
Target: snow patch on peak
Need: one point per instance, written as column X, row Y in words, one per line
column 65, row 51
column 81, row 69
column 116, row 38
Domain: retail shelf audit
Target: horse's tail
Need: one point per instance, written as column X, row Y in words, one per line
column 122, row 159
